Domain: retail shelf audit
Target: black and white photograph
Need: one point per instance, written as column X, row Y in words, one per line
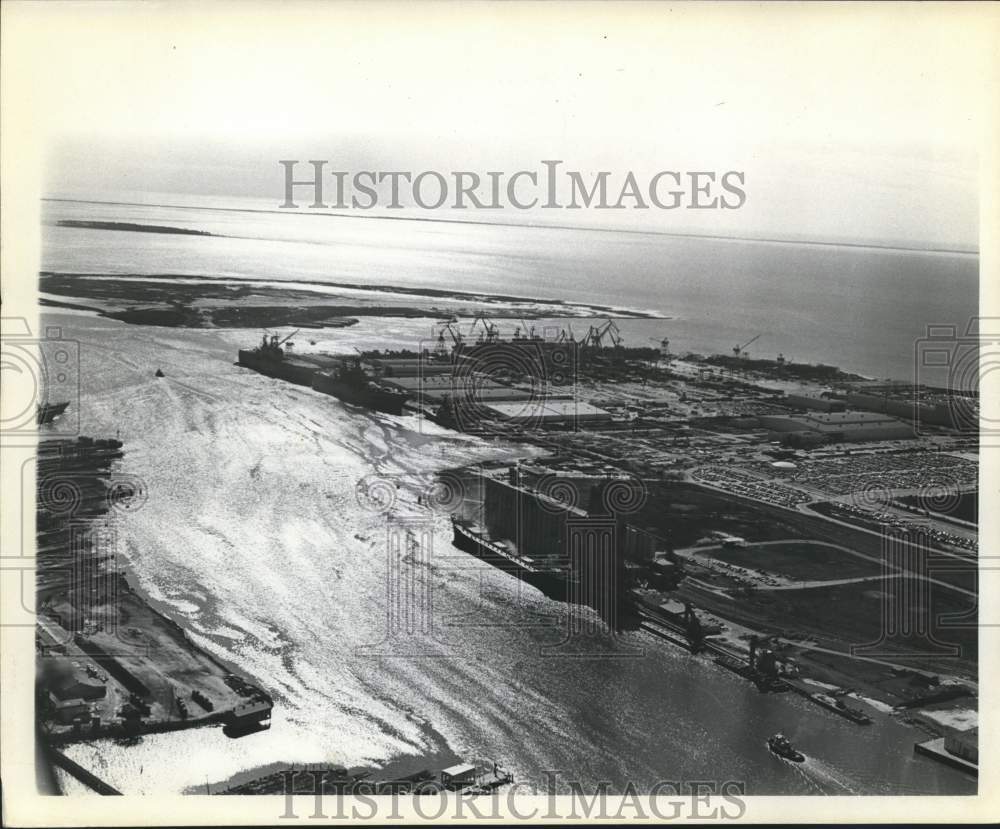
column 540, row 412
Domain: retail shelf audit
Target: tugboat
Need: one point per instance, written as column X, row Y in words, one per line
column 159, row 372
column 779, row 744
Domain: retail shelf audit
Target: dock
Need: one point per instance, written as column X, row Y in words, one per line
column 935, row 749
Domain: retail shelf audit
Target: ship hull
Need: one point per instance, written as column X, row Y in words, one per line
column 788, row 754
column 281, row 369
column 554, row 585
column 381, row 401
column 852, row 714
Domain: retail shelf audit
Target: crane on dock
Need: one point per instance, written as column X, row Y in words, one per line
column 524, row 332
column 595, row 336
column 456, row 338
column 664, row 349
column 741, row 350
column 490, row 332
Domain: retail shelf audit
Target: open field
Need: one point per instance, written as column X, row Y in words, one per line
column 846, row 616
column 801, row 561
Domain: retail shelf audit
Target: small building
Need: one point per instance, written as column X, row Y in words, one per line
column 66, row 711
column 665, row 572
column 76, row 687
column 458, row 777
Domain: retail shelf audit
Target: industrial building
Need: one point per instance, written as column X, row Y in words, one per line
column 939, row 413
column 533, row 522
column 435, row 388
column 412, row 367
column 547, row 412
column 836, row 427
column 812, row 402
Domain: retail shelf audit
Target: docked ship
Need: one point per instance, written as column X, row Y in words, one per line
column 341, row 377
column 273, row 359
column 552, row 545
column 838, row 707
column 349, row 382
column 552, row 580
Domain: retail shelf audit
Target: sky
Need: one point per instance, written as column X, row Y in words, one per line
column 862, row 125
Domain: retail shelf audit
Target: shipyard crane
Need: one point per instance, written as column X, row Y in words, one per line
column 276, row 343
column 609, row 329
column 456, row 336
column 523, row 332
column 664, row 349
column 740, row 350
column 615, row 333
column 490, row 331
column 597, row 335
column 439, row 349
column 566, row 335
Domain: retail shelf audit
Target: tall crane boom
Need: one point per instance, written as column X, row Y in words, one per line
column 296, row 331
column 738, row 350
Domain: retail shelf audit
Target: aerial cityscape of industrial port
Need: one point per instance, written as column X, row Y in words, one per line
column 537, row 411
column 788, row 530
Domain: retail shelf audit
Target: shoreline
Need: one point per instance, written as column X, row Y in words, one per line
column 536, row 226
column 113, row 665
column 277, row 286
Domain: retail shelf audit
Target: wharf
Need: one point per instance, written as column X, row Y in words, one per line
column 112, row 665
column 936, row 750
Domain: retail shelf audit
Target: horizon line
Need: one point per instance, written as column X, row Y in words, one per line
column 535, row 226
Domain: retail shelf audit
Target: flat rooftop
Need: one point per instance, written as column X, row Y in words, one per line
column 547, row 410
